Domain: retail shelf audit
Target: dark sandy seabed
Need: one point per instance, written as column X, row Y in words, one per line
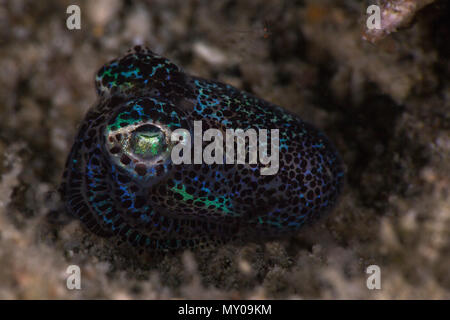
column 384, row 102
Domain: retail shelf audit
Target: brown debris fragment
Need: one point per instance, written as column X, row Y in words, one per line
column 394, row 14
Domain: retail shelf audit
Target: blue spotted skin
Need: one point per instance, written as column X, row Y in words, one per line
column 118, row 186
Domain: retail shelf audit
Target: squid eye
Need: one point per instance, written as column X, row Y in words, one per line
column 148, row 141
column 137, row 140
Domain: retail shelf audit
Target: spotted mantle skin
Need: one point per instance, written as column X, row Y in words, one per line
column 152, row 203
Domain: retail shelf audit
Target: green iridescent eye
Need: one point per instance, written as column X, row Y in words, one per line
column 148, row 141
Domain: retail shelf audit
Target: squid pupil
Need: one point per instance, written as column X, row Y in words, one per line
column 148, row 142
